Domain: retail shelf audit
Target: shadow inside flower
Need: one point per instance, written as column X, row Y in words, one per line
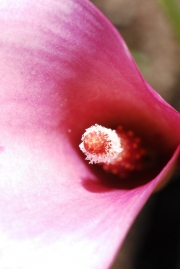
column 105, row 182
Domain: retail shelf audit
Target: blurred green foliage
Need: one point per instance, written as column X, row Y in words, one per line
column 172, row 8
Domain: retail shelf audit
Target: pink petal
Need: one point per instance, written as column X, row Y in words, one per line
column 54, row 222
column 63, row 68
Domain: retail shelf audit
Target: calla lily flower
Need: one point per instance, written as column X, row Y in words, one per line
column 64, row 68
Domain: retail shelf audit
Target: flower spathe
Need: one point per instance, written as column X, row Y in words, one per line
column 59, row 76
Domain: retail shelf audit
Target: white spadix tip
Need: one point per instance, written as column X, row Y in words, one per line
column 100, row 144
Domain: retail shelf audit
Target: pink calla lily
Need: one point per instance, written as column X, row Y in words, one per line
column 64, row 68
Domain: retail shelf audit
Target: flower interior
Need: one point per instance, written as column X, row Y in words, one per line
column 118, row 151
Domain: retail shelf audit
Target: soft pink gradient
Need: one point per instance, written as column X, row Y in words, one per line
column 63, row 68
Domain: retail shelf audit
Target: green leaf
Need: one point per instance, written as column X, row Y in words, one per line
column 172, row 8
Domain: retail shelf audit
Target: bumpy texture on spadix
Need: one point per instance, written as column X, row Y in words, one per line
column 120, row 152
column 100, row 144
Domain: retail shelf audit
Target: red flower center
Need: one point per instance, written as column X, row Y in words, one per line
column 119, row 152
column 96, row 143
column 131, row 158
